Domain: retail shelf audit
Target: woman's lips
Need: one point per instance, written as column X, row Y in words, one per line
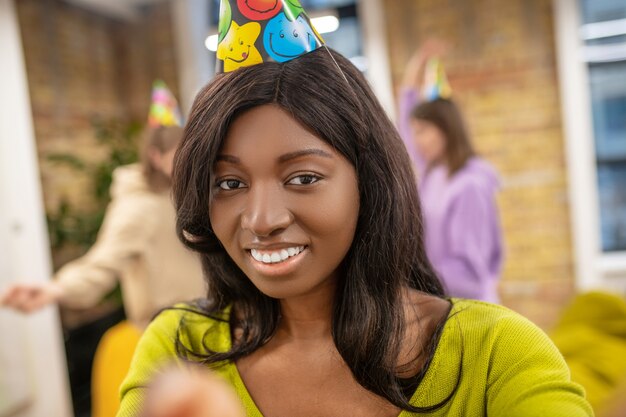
column 277, row 262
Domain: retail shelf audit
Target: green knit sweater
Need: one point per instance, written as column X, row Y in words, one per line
column 509, row 367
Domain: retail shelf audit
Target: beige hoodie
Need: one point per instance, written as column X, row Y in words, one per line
column 137, row 246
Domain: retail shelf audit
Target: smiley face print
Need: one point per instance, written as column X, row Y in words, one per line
column 259, row 9
column 285, row 39
column 237, row 49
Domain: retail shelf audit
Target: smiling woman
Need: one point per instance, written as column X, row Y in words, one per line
column 298, row 193
column 281, row 188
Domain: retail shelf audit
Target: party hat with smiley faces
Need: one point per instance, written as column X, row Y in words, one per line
column 255, row 31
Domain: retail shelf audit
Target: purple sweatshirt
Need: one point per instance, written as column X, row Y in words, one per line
column 462, row 229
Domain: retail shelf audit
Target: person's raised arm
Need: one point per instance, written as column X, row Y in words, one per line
column 409, row 93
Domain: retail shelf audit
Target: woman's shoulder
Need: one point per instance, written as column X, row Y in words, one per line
column 190, row 326
column 498, row 332
column 482, row 315
column 517, row 365
column 477, row 178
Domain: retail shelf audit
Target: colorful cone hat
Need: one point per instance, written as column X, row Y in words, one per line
column 255, row 31
column 164, row 109
column 435, row 81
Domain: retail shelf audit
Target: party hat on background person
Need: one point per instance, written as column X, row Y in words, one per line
column 435, row 81
column 255, row 31
column 164, row 109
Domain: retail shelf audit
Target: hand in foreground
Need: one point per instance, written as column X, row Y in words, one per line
column 191, row 392
column 31, row 297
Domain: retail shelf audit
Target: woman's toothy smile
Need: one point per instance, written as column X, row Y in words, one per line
column 275, row 256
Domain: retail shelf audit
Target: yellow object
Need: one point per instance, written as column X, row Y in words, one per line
column 591, row 335
column 111, row 363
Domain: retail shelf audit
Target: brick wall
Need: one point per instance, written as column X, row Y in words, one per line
column 503, row 72
column 83, row 66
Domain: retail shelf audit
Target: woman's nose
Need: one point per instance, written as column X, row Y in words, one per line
column 266, row 213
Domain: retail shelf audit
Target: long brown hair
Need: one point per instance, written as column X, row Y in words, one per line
column 161, row 139
column 446, row 115
column 387, row 253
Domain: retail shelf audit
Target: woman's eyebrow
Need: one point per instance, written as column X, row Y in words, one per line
column 228, row 158
column 297, row 154
column 283, row 158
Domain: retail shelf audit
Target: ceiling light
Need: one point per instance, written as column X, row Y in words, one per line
column 325, row 24
column 211, row 43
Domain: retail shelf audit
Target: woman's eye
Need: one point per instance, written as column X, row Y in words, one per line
column 304, row 180
column 230, row 184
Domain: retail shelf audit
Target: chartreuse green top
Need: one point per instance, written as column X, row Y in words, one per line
column 509, row 368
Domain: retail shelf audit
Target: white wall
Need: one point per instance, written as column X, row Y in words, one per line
column 33, row 376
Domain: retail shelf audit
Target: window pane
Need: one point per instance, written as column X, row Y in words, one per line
column 602, row 10
column 612, row 189
column 603, row 32
column 608, row 100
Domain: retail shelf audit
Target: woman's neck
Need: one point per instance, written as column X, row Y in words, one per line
column 308, row 316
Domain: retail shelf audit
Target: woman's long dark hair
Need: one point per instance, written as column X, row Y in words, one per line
column 387, row 253
column 446, row 115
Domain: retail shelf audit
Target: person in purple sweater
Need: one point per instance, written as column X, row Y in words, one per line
column 457, row 188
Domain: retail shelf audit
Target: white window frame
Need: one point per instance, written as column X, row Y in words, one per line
column 593, row 268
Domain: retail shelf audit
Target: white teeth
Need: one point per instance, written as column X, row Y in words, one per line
column 275, row 257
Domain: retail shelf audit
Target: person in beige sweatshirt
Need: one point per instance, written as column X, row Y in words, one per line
column 136, row 245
